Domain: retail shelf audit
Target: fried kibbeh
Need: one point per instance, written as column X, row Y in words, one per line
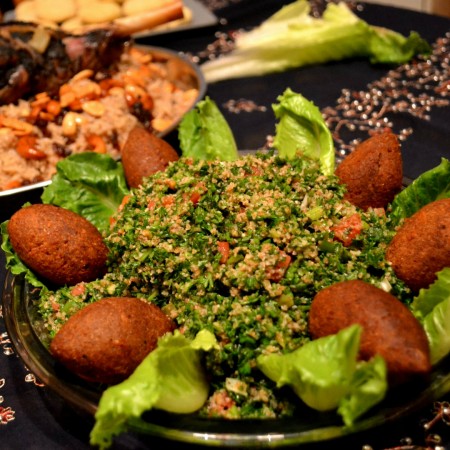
column 421, row 246
column 145, row 154
column 57, row 244
column 373, row 172
column 106, row 340
column 389, row 327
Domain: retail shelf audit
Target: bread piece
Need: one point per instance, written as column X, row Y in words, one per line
column 55, row 11
column 99, row 12
column 133, row 7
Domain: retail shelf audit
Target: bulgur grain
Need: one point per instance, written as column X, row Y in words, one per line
column 257, row 302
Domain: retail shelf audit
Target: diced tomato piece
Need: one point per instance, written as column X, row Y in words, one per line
column 257, row 171
column 171, row 184
column 195, row 197
column 78, row 289
column 112, row 219
column 124, row 201
column 151, row 204
column 348, row 229
column 55, row 306
column 223, row 248
column 168, row 200
column 277, row 273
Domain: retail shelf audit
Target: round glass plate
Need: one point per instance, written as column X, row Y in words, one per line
column 306, row 427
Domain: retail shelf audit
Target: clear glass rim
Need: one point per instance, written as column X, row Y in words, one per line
column 190, row 428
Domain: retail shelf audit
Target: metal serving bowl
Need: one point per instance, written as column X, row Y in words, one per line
column 181, row 71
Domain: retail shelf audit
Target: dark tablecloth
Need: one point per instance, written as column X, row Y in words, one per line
column 32, row 417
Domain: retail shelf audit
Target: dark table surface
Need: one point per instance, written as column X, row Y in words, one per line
column 32, row 417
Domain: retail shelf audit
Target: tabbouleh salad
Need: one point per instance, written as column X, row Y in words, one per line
column 238, row 248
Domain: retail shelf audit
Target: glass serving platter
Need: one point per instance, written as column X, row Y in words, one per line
column 307, row 427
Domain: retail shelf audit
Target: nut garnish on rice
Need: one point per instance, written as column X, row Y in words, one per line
column 92, row 112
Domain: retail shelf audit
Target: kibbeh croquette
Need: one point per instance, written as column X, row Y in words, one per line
column 57, row 244
column 389, row 327
column 145, row 154
column 373, row 172
column 105, row 341
column 421, row 246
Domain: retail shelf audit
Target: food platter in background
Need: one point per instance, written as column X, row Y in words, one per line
column 194, row 15
column 178, row 71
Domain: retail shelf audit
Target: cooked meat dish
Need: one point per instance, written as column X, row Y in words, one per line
column 35, row 59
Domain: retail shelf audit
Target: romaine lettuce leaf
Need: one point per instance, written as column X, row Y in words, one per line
column 432, row 185
column 170, row 378
column 436, row 325
column 325, row 374
column 424, row 303
column 293, row 38
column 369, row 386
column 90, row 184
column 13, row 262
column 319, row 372
column 205, row 134
column 389, row 47
column 301, row 127
column 432, row 308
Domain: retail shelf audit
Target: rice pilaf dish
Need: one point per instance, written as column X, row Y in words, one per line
column 93, row 112
column 239, row 249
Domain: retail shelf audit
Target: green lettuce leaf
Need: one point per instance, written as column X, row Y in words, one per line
column 205, row 134
column 293, row 38
column 432, row 308
column 390, row 47
column 301, row 126
column 437, row 329
column 326, row 376
column 432, row 185
column 90, row 184
column 424, row 303
column 13, row 262
column 170, row 378
column 369, row 386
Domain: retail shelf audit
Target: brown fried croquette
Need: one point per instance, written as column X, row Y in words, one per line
column 145, row 154
column 57, row 244
column 421, row 246
column 373, row 172
column 105, row 341
column 389, row 327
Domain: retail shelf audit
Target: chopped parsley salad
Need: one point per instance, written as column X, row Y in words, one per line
column 238, row 249
column 234, row 249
